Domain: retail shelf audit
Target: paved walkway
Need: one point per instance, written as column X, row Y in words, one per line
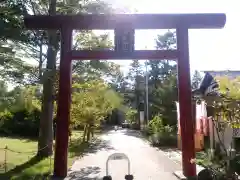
column 147, row 163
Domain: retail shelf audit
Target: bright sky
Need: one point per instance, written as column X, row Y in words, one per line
column 209, row 49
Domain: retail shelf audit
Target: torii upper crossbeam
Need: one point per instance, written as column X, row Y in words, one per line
column 180, row 22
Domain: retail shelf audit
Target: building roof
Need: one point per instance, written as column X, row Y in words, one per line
column 232, row 74
column 223, row 71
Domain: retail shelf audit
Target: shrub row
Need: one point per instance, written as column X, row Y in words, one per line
column 20, row 123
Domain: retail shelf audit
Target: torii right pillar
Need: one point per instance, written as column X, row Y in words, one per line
column 185, row 104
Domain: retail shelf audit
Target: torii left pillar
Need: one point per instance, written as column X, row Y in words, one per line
column 64, row 101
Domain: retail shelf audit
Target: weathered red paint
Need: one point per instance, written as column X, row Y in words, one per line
column 181, row 22
column 137, row 21
column 185, row 103
column 137, row 54
column 64, row 102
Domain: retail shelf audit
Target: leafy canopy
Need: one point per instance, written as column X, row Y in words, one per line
column 92, row 101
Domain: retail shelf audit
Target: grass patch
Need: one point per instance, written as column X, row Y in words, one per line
column 22, row 163
column 12, row 157
column 19, row 160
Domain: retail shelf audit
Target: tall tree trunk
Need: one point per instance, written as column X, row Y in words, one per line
column 92, row 131
column 88, row 132
column 46, row 121
column 137, row 95
column 84, row 133
column 40, row 61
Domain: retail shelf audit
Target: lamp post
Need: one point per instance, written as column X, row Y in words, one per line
column 146, row 90
column 39, row 91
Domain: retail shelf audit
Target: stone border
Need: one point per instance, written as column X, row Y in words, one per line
column 179, row 174
column 177, row 159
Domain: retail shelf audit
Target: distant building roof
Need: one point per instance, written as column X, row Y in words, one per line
column 230, row 74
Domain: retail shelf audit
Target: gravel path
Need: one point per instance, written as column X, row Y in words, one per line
column 147, row 163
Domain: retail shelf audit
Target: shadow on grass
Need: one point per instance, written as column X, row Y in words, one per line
column 3, row 166
column 87, row 173
column 23, row 138
column 18, row 169
column 78, row 148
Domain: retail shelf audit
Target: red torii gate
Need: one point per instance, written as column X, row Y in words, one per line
column 124, row 49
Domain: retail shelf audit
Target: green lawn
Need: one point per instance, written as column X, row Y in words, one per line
column 24, row 165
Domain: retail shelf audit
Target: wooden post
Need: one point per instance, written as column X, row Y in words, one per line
column 63, row 109
column 185, row 103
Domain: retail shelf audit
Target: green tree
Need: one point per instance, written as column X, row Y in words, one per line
column 136, row 78
column 3, row 96
column 11, row 17
column 92, row 68
column 92, row 101
column 135, row 70
column 131, row 115
column 20, row 112
column 121, row 84
column 226, row 115
column 33, row 43
column 65, row 7
column 196, row 79
column 163, row 82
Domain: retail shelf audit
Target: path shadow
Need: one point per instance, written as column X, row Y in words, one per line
column 134, row 133
column 87, row 173
column 168, row 148
column 78, row 148
column 138, row 134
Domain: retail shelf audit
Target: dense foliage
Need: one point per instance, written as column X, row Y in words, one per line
column 20, row 112
column 226, row 115
column 92, row 102
column 160, row 134
column 31, row 57
column 131, row 115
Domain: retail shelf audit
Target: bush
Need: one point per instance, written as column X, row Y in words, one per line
column 131, row 116
column 5, row 120
column 161, row 135
column 134, row 126
column 20, row 123
column 155, row 125
column 235, row 164
column 215, row 165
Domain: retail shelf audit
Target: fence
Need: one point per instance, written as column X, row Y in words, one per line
column 6, row 165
